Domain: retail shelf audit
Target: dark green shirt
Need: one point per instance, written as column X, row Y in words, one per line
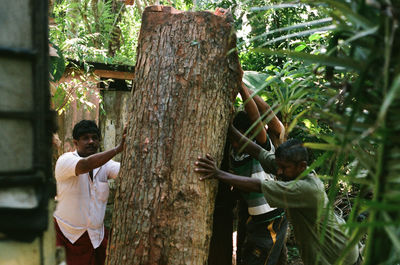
column 305, row 202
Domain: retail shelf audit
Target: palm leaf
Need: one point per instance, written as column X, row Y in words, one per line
column 321, row 146
column 265, row 8
column 391, row 231
column 394, row 93
column 345, row 10
column 300, row 34
column 289, row 28
column 313, row 58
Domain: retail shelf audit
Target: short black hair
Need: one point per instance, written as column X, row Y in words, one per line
column 241, row 121
column 292, row 150
column 85, row 126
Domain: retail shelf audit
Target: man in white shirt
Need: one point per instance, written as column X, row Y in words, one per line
column 82, row 193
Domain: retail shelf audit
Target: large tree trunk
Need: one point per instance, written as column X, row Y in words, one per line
column 182, row 102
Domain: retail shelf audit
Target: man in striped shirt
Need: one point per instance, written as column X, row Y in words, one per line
column 261, row 228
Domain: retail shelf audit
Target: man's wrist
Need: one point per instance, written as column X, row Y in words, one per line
column 218, row 174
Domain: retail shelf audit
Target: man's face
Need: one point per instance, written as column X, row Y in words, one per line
column 87, row 144
column 288, row 170
column 234, row 143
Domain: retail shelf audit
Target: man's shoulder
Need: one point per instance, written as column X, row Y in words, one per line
column 65, row 166
column 267, row 160
column 312, row 177
column 68, row 156
column 314, row 184
column 111, row 163
column 266, row 155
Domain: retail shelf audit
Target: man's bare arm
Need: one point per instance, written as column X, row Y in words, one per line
column 253, row 114
column 275, row 126
column 248, row 146
column 207, row 167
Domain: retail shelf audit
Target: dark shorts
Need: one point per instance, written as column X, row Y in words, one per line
column 264, row 241
column 82, row 252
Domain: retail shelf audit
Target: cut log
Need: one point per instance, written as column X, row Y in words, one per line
column 186, row 80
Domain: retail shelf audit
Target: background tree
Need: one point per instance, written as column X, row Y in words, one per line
column 182, row 102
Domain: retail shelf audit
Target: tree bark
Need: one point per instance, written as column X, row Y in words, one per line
column 182, row 100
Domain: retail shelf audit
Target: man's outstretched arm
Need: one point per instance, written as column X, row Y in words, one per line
column 207, row 167
column 266, row 158
column 245, row 143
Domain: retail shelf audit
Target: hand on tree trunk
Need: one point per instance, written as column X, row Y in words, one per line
column 206, row 166
column 121, row 146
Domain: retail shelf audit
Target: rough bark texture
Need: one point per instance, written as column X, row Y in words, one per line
column 182, row 103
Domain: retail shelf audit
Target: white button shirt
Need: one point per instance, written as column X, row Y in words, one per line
column 82, row 202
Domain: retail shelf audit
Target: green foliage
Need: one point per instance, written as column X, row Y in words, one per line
column 266, row 23
column 85, row 30
column 75, row 88
column 130, row 27
column 349, row 92
column 89, row 31
column 57, row 64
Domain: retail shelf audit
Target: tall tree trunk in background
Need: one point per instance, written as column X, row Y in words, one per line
column 182, row 102
column 94, row 4
column 73, row 12
column 114, row 44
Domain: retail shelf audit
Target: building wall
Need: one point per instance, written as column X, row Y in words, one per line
column 23, row 90
column 39, row 252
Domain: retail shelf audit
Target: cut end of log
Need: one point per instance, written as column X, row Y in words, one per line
column 221, row 12
column 165, row 9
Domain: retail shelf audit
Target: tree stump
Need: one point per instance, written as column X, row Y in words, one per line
column 186, row 81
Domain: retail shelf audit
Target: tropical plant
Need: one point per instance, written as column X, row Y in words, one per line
column 361, row 63
column 88, row 31
column 92, row 31
column 75, row 88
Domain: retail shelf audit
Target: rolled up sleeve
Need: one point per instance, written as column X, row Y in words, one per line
column 65, row 166
column 291, row 194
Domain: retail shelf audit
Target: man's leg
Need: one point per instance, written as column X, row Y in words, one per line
column 100, row 252
column 79, row 253
column 243, row 217
column 264, row 241
column 280, row 226
column 283, row 258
